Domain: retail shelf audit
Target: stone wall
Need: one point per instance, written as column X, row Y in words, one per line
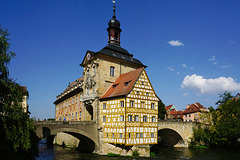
column 65, row 139
column 143, row 150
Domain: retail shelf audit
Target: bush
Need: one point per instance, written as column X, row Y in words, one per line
column 152, row 154
column 135, row 153
column 113, row 155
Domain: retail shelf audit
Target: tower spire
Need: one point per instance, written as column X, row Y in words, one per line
column 114, row 11
column 114, row 29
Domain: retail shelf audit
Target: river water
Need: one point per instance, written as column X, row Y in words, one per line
column 56, row 152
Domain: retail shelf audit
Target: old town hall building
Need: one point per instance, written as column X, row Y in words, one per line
column 115, row 92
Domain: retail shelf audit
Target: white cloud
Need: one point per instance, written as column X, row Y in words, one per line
column 175, row 43
column 191, row 68
column 210, row 86
column 226, row 66
column 213, row 60
column 185, row 94
column 184, row 65
column 171, row 68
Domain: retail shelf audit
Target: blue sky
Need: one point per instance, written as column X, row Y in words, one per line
column 191, row 47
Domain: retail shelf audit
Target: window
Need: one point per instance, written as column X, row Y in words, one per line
column 112, row 135
column 136, row 118
column 131, row 103
column 94, row 70
column 104, row 105
column 142, row 83
column 144, row 118
column 190, row 120
column 126, row 83
column 141, row 135
column 116, row 35
column 121, row 118
column 152, row 135
column 72, row 100
column 189, row 115
column 120, row 135
column 142, row 104
column 129, row 135
column 76, row 115
column 137, row 92
column 69, row 117
column 104, row 118
column 76, row 99
column 152, row 105
column 80, row 115
column 137, row 135
column 112, row 70
column 147, row 93
column 115, row 85
column 185, row 115
column 87, row 90
column 69, row 102
column 122, row 103
column 153, row 119
column 72, row 116
column 107, row 135
column 129, row 118
column 93, row 88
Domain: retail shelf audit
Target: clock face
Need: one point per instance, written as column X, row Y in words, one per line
column 88, row 56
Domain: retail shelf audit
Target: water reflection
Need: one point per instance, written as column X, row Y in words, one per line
column 56, row 152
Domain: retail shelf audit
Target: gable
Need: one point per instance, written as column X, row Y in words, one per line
column 143, row 88
column 88, row 56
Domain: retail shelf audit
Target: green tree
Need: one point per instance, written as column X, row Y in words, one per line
column 161, row 110
column 5, row 53
column 17, row 132
column 225, row 131
column 224, row 98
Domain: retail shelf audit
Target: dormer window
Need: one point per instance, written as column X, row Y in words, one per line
column 115, row 85
column 126, row 83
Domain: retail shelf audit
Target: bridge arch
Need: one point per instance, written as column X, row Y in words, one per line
column 179, row 131
column 169, row 137
column 74, row 132
column 85, row 132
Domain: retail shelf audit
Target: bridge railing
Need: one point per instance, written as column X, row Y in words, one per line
column 64, row 122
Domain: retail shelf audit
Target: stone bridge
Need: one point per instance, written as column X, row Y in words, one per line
column 171, row 133
column 86, row 132
column 177, row 134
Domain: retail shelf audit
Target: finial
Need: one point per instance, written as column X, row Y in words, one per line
column 114, row 10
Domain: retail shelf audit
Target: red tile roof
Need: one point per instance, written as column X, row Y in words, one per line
column 197, row 107
column 123, row 85
column 168, row 107
column 74, row 83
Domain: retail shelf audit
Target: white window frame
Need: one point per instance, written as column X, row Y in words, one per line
column 104, row 118
column 104, row 105
column 121, row 118
column 152, row 105
column 121, row 103
column 136, row 118
column 129, row 118
column 144, row 118
column 112, row 71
